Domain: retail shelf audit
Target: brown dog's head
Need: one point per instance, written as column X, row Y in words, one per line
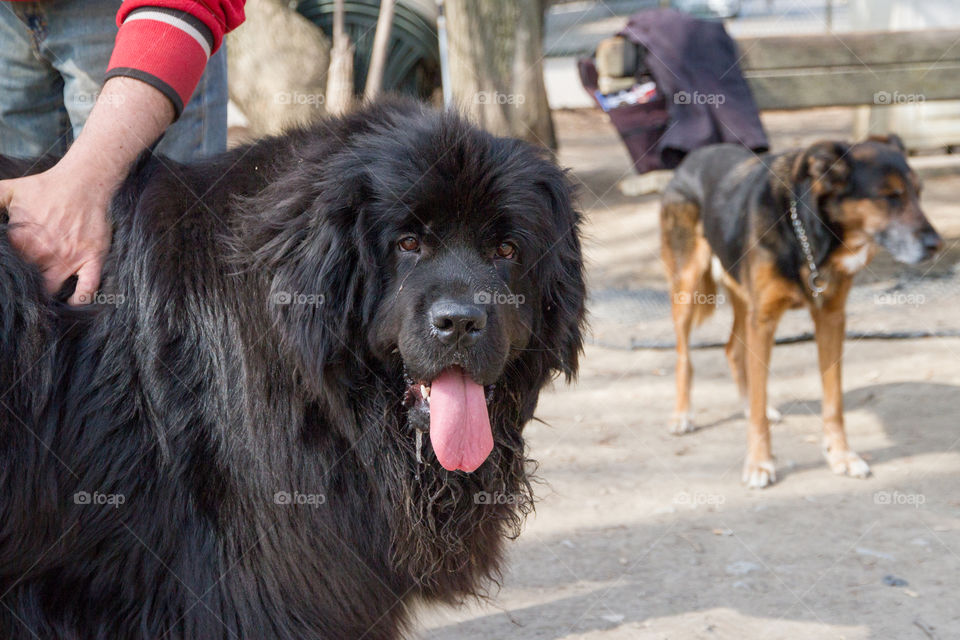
column 869, row 189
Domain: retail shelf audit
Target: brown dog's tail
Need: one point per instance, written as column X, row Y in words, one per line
column 687, row 258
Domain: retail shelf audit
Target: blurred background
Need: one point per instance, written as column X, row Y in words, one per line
column 280, row 81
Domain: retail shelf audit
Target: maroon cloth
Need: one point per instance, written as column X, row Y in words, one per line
column 641, row 126
column 695, row 65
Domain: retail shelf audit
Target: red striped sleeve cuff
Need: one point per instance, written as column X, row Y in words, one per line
column 165, row 48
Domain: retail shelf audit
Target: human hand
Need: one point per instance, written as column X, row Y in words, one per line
column 58, row 221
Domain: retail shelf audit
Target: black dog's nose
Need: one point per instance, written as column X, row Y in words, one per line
column 456, row 322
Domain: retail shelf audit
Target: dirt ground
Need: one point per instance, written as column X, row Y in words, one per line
column 641, row 534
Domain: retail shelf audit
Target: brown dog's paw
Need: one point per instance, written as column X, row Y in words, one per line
column 682, row 424
column 847, row 463
column 773, row 416
column 760, row 474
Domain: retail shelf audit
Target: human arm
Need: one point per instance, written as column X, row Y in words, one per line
column 59, row 217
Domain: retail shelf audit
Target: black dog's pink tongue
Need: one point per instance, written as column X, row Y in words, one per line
column 459, row 422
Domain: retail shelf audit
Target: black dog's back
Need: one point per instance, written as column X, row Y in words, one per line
column 140, row 400
column 126, row 453
column 720, row 181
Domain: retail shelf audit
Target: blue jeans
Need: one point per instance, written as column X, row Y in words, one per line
column 53, row 56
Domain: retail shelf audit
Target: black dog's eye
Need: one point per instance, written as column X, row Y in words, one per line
column 894, row 198
column 409, row 243
column 507, row 250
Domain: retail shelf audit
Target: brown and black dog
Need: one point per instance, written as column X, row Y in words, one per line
column 788, row 230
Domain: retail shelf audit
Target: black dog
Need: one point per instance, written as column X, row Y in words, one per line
column 229, row 443
column 788, row 230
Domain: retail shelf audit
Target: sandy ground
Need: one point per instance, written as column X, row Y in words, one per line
column 640, row 534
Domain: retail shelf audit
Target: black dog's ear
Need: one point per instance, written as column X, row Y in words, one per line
column 314, row 297
column 891, row 139
column 560, row 275
column 310, row 252
column 825, row 168
column 557, row 331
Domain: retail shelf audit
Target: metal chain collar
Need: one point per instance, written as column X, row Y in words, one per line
column 815, row 281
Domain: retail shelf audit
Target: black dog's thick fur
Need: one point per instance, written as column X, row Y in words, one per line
column 187, row 458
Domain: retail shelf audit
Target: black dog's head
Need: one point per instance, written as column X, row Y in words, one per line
column 448, row 261
column 869, row 190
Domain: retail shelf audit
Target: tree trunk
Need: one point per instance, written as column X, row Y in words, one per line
column 378, row 56
column 496, row 66
column 340, row 79
column 277, row 64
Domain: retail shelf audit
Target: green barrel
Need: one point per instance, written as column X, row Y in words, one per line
column 413, row 58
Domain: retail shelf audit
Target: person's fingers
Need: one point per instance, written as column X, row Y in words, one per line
column 6, row 197
column 18, row 237
column 88, row 280
column 54, row 276
column 6, row 193
column 32, row 247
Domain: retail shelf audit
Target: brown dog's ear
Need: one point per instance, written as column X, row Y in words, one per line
column 825, row 165
column 891, row 139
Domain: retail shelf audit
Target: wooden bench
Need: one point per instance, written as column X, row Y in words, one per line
column 848, row 69
column 851, row 69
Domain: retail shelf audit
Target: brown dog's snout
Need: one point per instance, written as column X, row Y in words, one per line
column 910, row 238
column 931, row 240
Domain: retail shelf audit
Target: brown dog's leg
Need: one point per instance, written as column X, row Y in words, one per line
column 683, row 305
column 770, row 297
column 829, row 323
column 736, row 350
